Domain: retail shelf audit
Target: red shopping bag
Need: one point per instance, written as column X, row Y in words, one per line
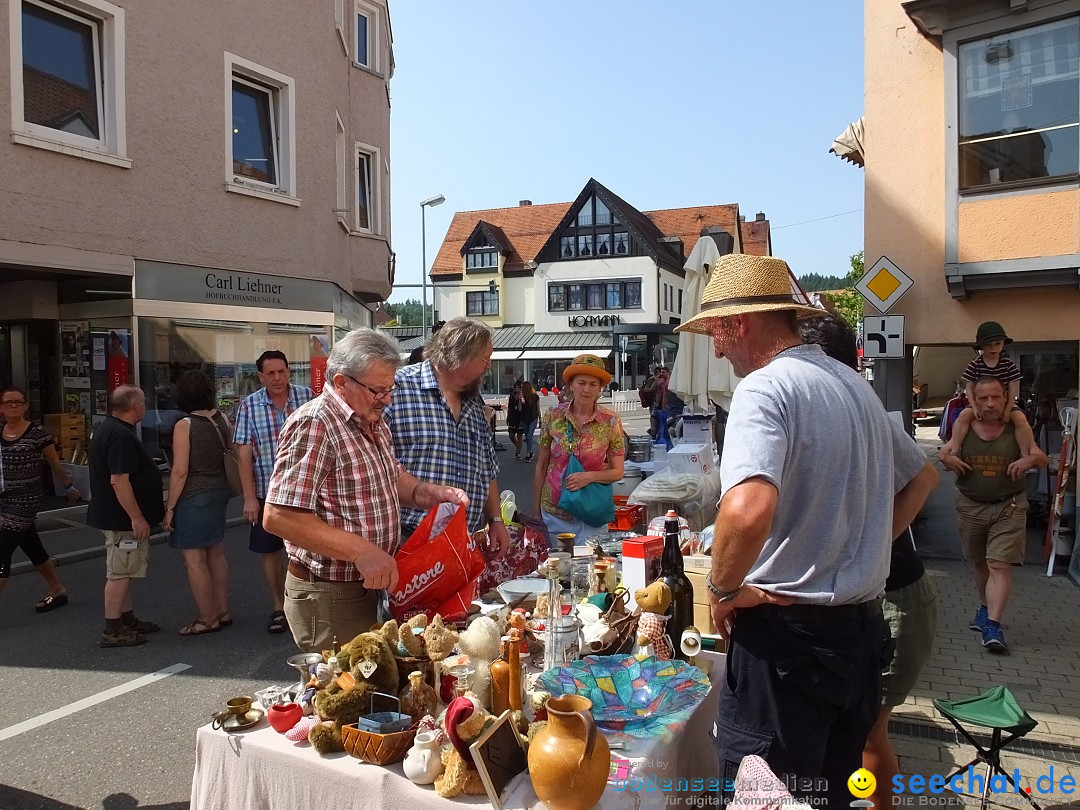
column 437, row 567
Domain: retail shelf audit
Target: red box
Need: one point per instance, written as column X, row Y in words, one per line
column 643, row 548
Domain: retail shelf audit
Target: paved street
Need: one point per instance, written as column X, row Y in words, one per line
column 134, row 748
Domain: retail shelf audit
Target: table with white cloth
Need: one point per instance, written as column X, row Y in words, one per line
column 262, row 770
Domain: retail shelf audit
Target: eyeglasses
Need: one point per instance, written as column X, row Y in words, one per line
column 9, row 402
column 378, row 394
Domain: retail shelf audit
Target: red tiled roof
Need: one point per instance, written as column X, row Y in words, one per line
column 527, row 228
column 756, row 237
column 51, row 101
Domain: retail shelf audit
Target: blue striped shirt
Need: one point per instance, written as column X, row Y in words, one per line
column 435, row 447
column 258, row 423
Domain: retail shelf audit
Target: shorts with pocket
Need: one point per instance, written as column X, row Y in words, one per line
column 121, row 563
column 992, row 531
column 911, row 614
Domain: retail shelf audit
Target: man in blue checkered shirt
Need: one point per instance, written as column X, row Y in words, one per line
column 440, row 433
column 258, row 423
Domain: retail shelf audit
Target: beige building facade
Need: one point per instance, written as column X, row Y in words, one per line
column 972, row 161
column 189, row 184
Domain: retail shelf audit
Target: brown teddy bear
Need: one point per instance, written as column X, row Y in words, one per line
column 371, row 663
column 405, row 640
column 465, row 719
column 439, row 640
column 653, row 601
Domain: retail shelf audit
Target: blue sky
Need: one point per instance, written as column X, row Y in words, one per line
column 669, row 105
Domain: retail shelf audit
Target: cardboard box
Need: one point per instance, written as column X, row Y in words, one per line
column 640, row 563
column 691, row 459
column 698, row 428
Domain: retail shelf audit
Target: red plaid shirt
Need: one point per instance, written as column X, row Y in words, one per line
column 326, row 464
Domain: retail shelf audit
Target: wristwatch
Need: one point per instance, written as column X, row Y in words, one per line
column 496, row 519
column 722, row 596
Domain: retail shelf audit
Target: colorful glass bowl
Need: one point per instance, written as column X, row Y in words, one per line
column 626, row 690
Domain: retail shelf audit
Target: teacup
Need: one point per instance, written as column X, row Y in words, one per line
column 237, row 707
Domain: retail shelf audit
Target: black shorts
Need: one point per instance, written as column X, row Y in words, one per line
column 515, row 430
column 261, row 541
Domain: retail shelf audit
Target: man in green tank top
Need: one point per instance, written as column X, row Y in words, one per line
column 991, row 505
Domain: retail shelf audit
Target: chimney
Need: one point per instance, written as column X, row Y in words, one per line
column 742, row 217
column 759, row 217
column 523, row 203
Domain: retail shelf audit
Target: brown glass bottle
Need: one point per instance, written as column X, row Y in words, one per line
column 682, row 589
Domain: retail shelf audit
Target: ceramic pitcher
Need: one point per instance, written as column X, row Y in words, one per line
column 423, row 763
column 568, row 760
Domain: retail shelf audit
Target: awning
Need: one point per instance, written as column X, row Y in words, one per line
column 561, row 354
column 505, row 355
column 849, row 144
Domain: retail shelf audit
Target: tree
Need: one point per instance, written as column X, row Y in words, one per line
column 815, row 282
column 407, row 313
column 849, row 303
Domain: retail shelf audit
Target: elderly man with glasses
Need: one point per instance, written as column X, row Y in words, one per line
column 336, row 495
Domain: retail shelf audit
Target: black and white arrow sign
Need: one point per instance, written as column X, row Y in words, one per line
column 883, row 336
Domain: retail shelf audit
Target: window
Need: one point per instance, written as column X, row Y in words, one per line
column 69, row 94
column 679, row 310
column 341, row 158
column 367, row 188
column 484, row 257
column 366, row 36
column 585, row 244
column 567, row 246
column 622, row 241
column 614, row 295
column 556, row 297
column 603, row 244
column 575, row 296
column 594, row 296
column 341, row 22
column 261, row 155
column 482, row 303
column 633, row 295
column 1019, row 98
column 666, row 307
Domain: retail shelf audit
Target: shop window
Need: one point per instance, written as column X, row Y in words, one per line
column 262, row 118
column 481, row 303
column 1019, row 106
column 63, row 97
column 367, row 188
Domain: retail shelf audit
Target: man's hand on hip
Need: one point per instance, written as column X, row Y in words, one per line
column 748, row 596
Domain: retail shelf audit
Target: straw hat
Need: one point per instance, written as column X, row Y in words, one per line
column 587, row 364
column 742, row 283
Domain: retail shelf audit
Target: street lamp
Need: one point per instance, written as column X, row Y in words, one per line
column 438, row 199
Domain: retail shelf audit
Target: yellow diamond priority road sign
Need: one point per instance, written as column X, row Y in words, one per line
column 884, row 284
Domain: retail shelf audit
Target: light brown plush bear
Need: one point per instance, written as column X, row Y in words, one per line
column 653, row 602
column 344, row 706
column 439, row 640
column 465, row 719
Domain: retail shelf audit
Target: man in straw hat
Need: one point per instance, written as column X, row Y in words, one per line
column 817, row 481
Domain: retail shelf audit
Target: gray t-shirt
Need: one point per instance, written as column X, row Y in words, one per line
column 814, row 428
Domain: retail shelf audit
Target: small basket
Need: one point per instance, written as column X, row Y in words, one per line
column 378, row 749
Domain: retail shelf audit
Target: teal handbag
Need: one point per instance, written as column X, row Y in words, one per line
column 593, row 503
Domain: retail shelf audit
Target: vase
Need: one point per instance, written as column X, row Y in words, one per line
column 568, row 760
column 423, row 763
column 284, row 716
column 418, row 699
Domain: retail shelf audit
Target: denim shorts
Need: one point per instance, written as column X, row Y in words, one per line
column 199, row 521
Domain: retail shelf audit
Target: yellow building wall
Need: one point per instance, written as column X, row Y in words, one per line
column 905, row 202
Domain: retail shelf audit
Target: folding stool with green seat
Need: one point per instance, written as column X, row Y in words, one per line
column 996, row 709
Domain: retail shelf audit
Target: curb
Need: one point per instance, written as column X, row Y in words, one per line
column 99, row 550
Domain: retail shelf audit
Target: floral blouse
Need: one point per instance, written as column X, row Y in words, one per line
column 599, row 437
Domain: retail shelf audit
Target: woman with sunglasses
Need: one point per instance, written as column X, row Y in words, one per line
column 22, row 446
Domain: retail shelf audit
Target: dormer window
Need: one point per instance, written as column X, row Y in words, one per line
column 485, row 257
column 594, row 232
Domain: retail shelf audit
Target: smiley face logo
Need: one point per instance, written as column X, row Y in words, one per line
column 861, row 783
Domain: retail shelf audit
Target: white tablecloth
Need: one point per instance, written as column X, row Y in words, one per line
column 261, row 770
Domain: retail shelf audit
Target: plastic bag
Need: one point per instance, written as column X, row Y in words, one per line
column 437, row 567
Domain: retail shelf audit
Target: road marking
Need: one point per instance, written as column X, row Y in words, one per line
column 87, row 702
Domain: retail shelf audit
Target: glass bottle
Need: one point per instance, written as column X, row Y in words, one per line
column 418, row 699
column 681, row 610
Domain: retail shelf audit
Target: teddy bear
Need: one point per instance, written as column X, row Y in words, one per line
column 439, row 640
column 465, row 719
column 481, row 641
column 405, row 641
column 653, row 602
column 368, row 659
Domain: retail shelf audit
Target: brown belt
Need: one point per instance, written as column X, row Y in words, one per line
column 301, row 571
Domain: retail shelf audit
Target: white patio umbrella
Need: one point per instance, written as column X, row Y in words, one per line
column 698, row 375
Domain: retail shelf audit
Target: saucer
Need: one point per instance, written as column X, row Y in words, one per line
column 236, row 723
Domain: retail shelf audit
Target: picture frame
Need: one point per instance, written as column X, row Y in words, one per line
column 500, row 757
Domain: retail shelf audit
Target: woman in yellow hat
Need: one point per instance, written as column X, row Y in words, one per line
column 581, row 428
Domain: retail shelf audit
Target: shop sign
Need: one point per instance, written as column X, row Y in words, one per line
column 581, row 321
column 159, row 281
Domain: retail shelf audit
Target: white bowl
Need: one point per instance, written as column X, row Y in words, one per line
column 516, row 588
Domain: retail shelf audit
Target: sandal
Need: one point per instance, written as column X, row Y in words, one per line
column 51, row 602
column 199, row 628
column 224, row 619
column 278, row 622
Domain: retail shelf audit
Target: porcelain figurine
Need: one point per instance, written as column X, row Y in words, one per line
column 423, row 764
